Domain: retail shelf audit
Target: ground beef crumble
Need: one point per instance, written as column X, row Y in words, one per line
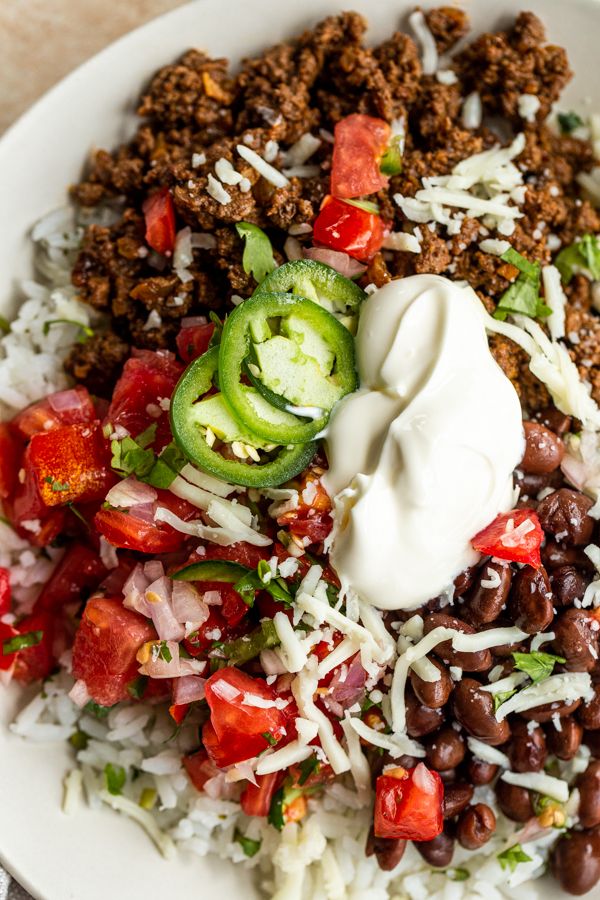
column 194, row 112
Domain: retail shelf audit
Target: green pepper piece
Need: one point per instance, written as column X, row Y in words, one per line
column 195, row 382
column 244, row 580
column 245, row 648
column 317, row 282
column 237, row 345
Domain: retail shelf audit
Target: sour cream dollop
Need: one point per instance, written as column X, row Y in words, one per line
column 421, row 456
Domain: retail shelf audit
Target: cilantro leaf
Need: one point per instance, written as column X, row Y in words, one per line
column 569, row 121
column 137, row 687
column 307, row 768
column 147, row 437
column 275, row 817
column 512, row 856
column 536, row 664
column 164, row 652
column 523, row 295
column 21, row 642
column 79, row 740
column 500, row 698
column 115, row 777
column 271, row 741
column 391, row 161
column 258, row 256
column 254, row 581
column 95, row 709
column 582, row 254
column 131, row 457
column 248, row 845
column 458, row 874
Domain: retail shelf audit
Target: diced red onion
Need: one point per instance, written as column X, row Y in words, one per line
column 158, row 600
column 348, row 685
column 79, row 693
column 341, row 262
column 134, row 590
column 69, row 400
column 188, row 689
column 574, row 470
column 108, row 554
column 215, row 787
column 154, row 569
column 131, row 492
column 187, row 605
column 212, row 598
column 193, row 321
column 160, row 668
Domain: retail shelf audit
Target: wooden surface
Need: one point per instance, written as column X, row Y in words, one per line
column 43, row 40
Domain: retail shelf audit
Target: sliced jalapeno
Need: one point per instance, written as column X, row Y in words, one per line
column 194, row 416
column 317, row 282
column 297, row 350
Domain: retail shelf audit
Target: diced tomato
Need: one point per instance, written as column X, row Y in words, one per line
column 147, row 378
column 515, row 535
column 160, row 221
column 125, row 529
column 241, row 730
column 193, row 341
column 233, row 607
column 178, row 712
column 408, row 804
column 268, row 607
column 200, row 768
column 104, row 653
column 80, row 569
column 6, row 633
column 72, row 407
column 5, row 592
column 348, row 228
column 360, row 142
column 71, row 464
column 10, row 456
column 256, row 800
column 29, row 514
column 36, row 662
column 242, row 553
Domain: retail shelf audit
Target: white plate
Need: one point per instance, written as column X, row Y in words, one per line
column 100, row 855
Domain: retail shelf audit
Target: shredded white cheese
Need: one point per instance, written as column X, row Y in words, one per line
column 566, row 687
column 472, row 111
column 217, row 191
column 402, row 241
column 429, row 53
column 540, row 782
column 556, row 300
column 268, row 172
column 395, row 744
column 528, row 105
column 488, row 754
column 303, row 689
column 290, row 755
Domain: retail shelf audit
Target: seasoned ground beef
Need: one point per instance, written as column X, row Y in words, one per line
column 195, row 113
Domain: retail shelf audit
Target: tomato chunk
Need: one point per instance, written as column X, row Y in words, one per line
column 29, row 514
column 515, row 535
column 160, row 221
column 72, row 407
column 36, row 662
column 200, row 768
column 107, row 641
column 408, row 804
column 351, row 229
column 126, row 529
column 71, row 464
column 238, row 729
column 7, row 632
column 256, row 800
column 5, row 592
column 10, row 456
column 359, row 144
column 80, row 568
column 147, row 379
column 193, row 341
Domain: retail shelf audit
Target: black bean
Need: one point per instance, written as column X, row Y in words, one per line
column 531, row 602
column 544, row 450
column 456, row 798
column 576, row 639
column 568, row 584
column 514, row 801
column 421, row 719
column 475, row 827
column 479, row 661
column 564, row 514
column 531, row 485
column 589, row 713
column 437, row 852
column 527, row 749
column 575, row 861
column 564, row 743
column 554, row 419
column 481, row 772
column 484, row 604
column 445, row 749
column 433, row 693
column 474, row 710
column 555, row 555
column 464, row 581
column 389, row 851
column 588, row 784
column 547, row 711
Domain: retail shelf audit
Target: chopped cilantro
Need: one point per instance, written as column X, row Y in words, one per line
column 95, row 709
column 248, row 845
column 536, row 664
column 147, row 437
column 56, row 485
column 272, row 741
column 500, row 698
column 4, row 325
column 115, row 777
column 582, row 254
column 148, row 798
column 21, row 642
column 523, row 295
column 86, row 331
column 164, row 652
column 255, row 581
column 511, row 857
column 258, row 256
column 275, row 817
column 307, row 768
column 133, row 457
column 137, row 687
column 79, row 740
column 263, row 570
column 458, row 874
column 569, row 121
column 78, row 515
